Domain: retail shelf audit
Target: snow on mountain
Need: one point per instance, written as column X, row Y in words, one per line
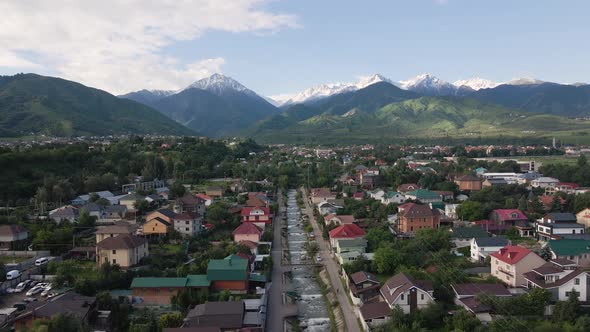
column 219, row 84
column 524, row 81
column 429, row 84
column 326, row 90
column 476, row 83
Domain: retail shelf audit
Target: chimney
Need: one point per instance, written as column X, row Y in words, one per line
column 503, row 251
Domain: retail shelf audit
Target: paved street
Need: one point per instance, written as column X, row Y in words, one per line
column 275, row 312
column 348, row 311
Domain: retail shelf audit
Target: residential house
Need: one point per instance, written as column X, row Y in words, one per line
column 363, row 286
column 557, row 225
column 566, row 187
column 83, row 199
column 462, row 236
column 583, row 217
column 466, row 296
column 247, row 232
column 367, row 180
column 358, row 196
column 468, row 183
column 124, row 250
column 226, row 316
column 164, row 214
column 214, row 191
column 81, row 308
column 143, row 186
column 393, row 197
column 547, row 201
column 154, row 290
column 513, row 217
column 260, row 216
column 321, row 195
column 65, row 213
column 206, row 198
column 374, row 314
column 114, row 213
column 13, row 237
column 188, row 223
column 407, row 293
column 424, row 195
column 130, row 200
column 156, row 226
column 576, row 250
column 407, row 187
column 161, row 290
column 445, row 195
column 544, row 182
column 339, row 219
column 189, row 203
column 349, row 250
column 482, row 247
column 230, row 273
column 329, row 208
column 412, row 217
column 510, row 263
column 93, row 210
column 451, row 210
column 491, row 182
column 119, row 228
column 560, row 277
column 345, row 232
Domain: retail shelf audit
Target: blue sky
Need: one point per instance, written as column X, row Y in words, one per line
column 300, row 43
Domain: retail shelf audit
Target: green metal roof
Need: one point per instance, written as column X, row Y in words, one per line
column 197, row 280
column 423, row 194
column 234, row 268
column 258, row 277
column 569, row 247
column 153, row 282
column 468, row 232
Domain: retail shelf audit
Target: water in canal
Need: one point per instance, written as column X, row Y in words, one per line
column 313, row 315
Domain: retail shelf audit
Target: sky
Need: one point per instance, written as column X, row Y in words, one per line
column 285, row 46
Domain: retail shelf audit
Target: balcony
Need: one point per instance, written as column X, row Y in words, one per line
column 503, row 270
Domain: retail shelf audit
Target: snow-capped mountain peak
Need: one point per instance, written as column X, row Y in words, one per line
column 525, row 81
column 219, row 84
column 426, row 80
column 327, row 90
column 476, row 83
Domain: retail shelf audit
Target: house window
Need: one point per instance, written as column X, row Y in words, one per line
column 186, row 222
column 187, row 229
column 577, row 281
column 114, row 261
column 421, row 296
column 114, row 252
column 402, row 297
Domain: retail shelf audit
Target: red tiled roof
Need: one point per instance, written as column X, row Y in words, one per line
column 506, row 214
column 358, row 194
column 246, row 210
column 247, row 228
column 346, row 231
column 248, row 244
column 204, row 196
column 568, row 184
column 547, row 200
column 511, row 254
column 408, row 187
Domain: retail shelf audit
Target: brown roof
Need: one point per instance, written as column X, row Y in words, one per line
column 11, row 230
column 248, row 244
column 247, row 228
column 407, row 187
column 471, row 289
column 474, row 305
column 123, row 241
column 468, row 177
column 412, row 210
column 362, row 276
column 224, row 315
column 375, row 310
column 120, row 228
column 255, row 201
column 187, row 216
column 538, row 279
column 399, row 283
column 70, row 302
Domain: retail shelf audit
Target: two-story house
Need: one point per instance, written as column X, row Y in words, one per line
column 188, row 223
column 560, row 277
column 13, row 237
column 482, row 247
column 510, row 263
column 189, row 203
column 124, row 250
column 512, row 217
column 363, row 286
column 247, row 231
column 231, row 273
column 576, row 250
column 339, row 219
column 345, row 232
column 412, row 217
column 468, row 183
column 558, row 225
column 260, row 216
column 424, row 195
column 407, row 293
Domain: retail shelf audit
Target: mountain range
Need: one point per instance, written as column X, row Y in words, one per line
column 39, row 105
column 215, row 106
column 219, row 106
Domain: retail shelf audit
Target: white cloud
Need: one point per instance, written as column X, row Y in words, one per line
column 118, row 45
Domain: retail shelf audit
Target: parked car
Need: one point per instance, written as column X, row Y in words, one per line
column 29, row 299
column 20, row 306
column 46, row 291
column 35, row 290
column 13, row 274
column 22, row 286
column 10, row 290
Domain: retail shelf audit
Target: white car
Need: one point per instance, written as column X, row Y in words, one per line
column 46, row 291
column 21, row 286
column 35, row 290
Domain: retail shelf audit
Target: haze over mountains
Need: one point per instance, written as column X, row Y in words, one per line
column 219, row 106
